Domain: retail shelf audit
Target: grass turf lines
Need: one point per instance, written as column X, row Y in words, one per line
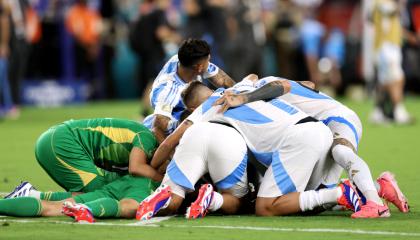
column 391, row 147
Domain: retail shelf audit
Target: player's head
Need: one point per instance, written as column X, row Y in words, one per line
column 194, row 54
column 195, row 94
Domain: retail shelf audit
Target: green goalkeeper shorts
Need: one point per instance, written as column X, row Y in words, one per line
column 137, row 188
column 67, row 163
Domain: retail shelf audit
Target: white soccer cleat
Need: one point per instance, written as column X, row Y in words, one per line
column 22, row 190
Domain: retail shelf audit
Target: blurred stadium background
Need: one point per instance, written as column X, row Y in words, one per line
column 68, row 52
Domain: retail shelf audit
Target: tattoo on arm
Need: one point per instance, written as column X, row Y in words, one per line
column 221, row 79
column 266, row 92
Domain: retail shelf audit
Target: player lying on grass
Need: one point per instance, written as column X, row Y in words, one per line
column 204, row 148
column 283, row 139
column 191, row 63
column 84, row 155
column 118, row 199
column 343, row 123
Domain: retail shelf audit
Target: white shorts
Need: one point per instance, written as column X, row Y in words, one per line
column 389, row 63
column 292, row 166
column 209, row 148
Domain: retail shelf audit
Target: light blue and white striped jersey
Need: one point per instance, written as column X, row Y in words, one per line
column 318, row 105
column 314, row 103
column 262, row 124
column 165, row 96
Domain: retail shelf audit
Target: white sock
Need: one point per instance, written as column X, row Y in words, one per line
column 357, row 170
column 308, row 200
column 216, row 202
column 35, row 194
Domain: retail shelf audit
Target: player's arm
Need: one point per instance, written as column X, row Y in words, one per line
column 270, row 90
column 138, row 165
column 221, row 79
column 160, row 125
column 165, row 149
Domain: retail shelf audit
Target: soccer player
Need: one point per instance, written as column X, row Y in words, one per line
column 347, row 129
column 205, row 147
column 118, row 199
column 283, row 138
column 191, row 63
column 84, row 155
column 388, row 31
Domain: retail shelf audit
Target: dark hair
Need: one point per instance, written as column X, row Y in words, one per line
column 192, row 50
column 188, row 93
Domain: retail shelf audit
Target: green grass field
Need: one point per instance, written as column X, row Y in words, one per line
column 395, row 148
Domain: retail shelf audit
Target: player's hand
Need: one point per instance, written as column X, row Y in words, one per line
column 229, row 100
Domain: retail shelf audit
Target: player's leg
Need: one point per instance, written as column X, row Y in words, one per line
column 186, row 168
column 347, row 133
column 291, row 168
column 226, row 155
column 73, row 170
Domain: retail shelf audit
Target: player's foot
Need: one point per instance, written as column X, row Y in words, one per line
column 390, row 191
column 349, row 197
column 401, row 115
column 372, row 210
column 199, row 207
column 378, row 117
column 22, row 190
column 79, row 212
column 152, row 204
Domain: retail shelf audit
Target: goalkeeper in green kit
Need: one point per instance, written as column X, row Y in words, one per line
column 88, row 155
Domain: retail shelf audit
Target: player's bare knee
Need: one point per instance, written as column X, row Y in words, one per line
column 128, row 208
column 263, row 207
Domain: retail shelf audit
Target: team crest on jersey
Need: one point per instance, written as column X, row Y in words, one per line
column 167, row 108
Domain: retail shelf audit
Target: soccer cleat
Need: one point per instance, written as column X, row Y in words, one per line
column 372, row 210
column 152, row 204
column 349, row 198
column 22, row 190
column 79, row 212
column 390, row 191
column 199, row 207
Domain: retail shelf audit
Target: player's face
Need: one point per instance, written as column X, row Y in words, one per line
column 202, row 65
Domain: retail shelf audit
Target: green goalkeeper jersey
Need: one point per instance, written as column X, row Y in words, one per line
column 109, row 141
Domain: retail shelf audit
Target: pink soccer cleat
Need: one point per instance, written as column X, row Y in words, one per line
column 372, row 210
column 391, row 192
column 79, row 212
column 199, row 207
column 152, row 204
column 349, row 199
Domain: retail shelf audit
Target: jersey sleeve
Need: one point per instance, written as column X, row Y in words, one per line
column 165, row 98
column 212, row 70
column 146, row 142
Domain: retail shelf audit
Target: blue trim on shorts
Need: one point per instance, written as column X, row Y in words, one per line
column 283, row 180
column 343, row 121
column 177, row 176
column 235, row 176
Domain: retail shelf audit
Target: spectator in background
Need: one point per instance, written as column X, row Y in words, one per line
column 206, row 19
column 385, row 17
column 411, row 49
column 18, row 51
column 245, row 38
column 323, row 48
column 147, row 38
column 5, row 95
column 85, row 25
